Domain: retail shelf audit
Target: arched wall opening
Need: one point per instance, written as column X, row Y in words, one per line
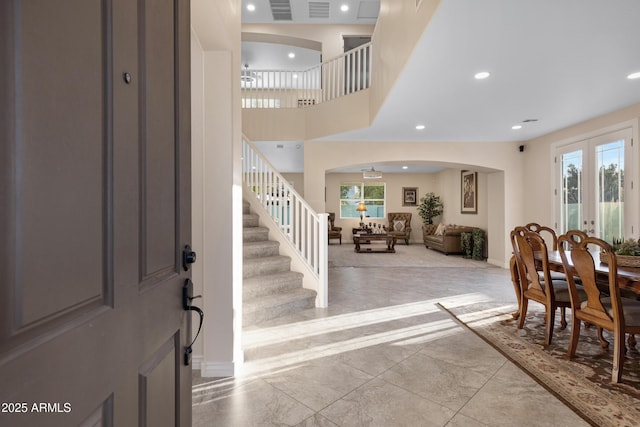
column 500, row 180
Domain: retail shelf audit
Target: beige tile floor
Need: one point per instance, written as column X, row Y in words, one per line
column 382, row 354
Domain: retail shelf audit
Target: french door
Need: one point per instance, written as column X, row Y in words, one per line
column 594, row 186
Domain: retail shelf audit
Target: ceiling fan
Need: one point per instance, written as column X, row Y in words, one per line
column 247, row 76
column 371, row 173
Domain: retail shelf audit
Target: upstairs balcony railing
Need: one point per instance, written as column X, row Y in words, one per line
column 340, row 76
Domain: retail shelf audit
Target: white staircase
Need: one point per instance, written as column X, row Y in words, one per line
column 270, row 288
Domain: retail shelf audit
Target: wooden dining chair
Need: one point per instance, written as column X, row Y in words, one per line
column 613, row 313
column 543, row 230
column 549, row 235
column 536, row 282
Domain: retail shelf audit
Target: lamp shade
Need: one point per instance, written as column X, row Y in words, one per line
column 361, row 207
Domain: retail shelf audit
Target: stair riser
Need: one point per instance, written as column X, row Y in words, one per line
column 250, row 220
column 260, row 251
column 257, row 235
column 252, row 269
column 268, row 313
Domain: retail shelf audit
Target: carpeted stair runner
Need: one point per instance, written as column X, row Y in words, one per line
column 270, row 289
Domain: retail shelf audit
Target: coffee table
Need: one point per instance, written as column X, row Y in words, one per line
column 388, row 239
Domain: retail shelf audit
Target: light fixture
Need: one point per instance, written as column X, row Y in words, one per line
column 405, row 167
column 420, row 127
column 251, row 7
column 633, row 76
column 516, row 127
column 292, row 55
column 482, row 75
column 371, row 174
column 247, row 76
column 361, row 208
column 344, row 7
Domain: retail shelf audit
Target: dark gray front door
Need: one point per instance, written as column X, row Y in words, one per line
column 94, row 212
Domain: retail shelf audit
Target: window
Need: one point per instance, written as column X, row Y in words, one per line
column 373, row 196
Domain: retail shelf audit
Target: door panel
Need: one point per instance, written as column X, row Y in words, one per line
column 95, row 211
column 46, row 225
column 158, row 137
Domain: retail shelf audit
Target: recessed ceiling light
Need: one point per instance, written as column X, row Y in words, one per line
column 634, row 76
column 251, row 7
column 420, row 127
column 482, row 75
column 292, row 55
column 405, row 167
column 516, row 127
column 344, row 7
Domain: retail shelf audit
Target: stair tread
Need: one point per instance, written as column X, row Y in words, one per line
column 254, row 229
column 262, row 243
column 265, row 302
column 267, row 259
column 271, row 278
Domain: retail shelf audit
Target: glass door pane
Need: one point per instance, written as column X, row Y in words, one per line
column 610, row 190
column 571, row 192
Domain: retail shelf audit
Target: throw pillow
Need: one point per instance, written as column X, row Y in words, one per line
column 398, row 225
column 440, row 230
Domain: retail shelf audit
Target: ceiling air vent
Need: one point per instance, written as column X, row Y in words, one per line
column 281, row 10
column 318, row 9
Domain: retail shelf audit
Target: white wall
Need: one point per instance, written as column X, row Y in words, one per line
column 217, row 182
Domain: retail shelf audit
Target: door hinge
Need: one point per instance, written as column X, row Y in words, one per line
column 555, row 192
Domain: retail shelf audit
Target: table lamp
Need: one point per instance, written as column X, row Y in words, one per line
column 361, row 208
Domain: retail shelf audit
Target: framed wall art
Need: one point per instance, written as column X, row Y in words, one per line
column 469, row 192
column 409, row 196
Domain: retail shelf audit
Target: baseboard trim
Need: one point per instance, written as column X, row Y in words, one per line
column 196, row 361
column 217, row 369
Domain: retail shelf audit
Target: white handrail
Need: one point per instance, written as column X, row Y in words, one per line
column 345, row 74
column 303, row 228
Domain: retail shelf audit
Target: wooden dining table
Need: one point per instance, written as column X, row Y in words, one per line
column 628, row 277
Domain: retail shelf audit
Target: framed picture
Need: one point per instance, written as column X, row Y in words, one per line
column 409, row 196
column 469, row 192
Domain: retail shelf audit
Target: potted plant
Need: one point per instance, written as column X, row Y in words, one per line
column 430, row 207
column 478, row 243
column 627, row 253
column 466, row 244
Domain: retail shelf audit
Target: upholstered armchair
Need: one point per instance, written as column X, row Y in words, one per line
column 334, row 232
column 399, row 225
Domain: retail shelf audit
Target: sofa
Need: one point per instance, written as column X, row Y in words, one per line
column 446, row 239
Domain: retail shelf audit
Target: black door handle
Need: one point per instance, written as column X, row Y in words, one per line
column 187, row 297
column 188, row 257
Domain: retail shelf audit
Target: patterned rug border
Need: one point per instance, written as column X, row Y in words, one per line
column 596, row 406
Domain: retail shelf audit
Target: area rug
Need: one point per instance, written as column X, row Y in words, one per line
column 583, row 383
column 413, row 255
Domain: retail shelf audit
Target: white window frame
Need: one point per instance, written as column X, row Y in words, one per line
column 363, row 184
column 631, row 197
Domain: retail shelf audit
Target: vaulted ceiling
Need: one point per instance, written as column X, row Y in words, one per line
column 552, row 64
